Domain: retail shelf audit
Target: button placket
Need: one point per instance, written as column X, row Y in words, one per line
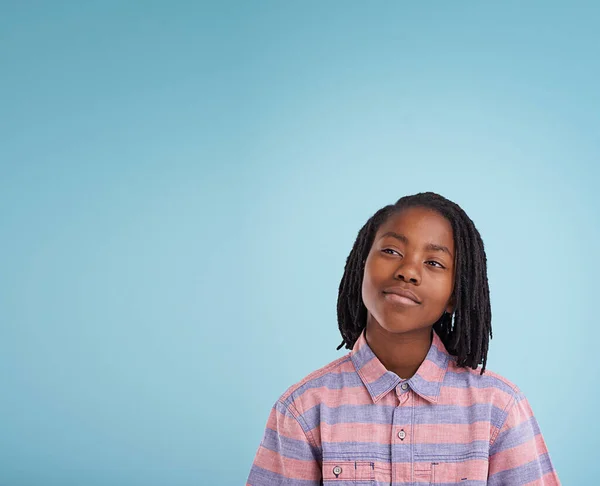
column 402, row 392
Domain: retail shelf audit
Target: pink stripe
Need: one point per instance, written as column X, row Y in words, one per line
column 466, row 397
column 335, row 398
column 451, row 472
column 425, row 473
column 521, row 413
column 519, row 455
column 347, row 367
column 425, row 434
column 289, row 468
column 432, row 371
column 286, row 426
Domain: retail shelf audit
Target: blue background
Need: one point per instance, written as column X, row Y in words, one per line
column 181, row 183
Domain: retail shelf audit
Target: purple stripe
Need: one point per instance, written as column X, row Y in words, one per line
column 523, row 474
column 440, row 358
column 452, row 452
column 362, row 356
column 424, row 387
column 332, row 381
column 387, row 382
column 383, row 414
column 462, row 483
column 518, row 435
column 287, row 447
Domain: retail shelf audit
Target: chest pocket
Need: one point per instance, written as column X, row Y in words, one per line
column 457, row 470
column 347, row 472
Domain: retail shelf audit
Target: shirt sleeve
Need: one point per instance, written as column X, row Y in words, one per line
column 519, row 455
column 287, row 453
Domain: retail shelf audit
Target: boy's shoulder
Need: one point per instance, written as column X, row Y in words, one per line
column 490, row 382
column 318, row 377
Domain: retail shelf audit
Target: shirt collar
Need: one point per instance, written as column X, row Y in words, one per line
column 426, row 382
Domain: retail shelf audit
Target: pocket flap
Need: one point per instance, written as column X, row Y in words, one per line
column 348, row 471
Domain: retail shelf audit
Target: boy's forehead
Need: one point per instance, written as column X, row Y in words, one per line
column 418, row 221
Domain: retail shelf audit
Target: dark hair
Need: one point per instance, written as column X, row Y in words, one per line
column 468, row 338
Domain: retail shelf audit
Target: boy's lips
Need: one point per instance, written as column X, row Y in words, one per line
column 402, row 292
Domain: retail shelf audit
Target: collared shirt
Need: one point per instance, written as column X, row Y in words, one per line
column 355, row 422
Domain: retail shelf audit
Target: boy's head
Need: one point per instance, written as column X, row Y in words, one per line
column 426, row 245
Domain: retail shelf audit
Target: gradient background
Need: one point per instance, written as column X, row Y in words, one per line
column 181, row 183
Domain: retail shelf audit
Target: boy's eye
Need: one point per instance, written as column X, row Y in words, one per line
column 437, row 264
column 433, row 261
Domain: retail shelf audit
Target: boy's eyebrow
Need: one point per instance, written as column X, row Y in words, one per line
column 429, row 246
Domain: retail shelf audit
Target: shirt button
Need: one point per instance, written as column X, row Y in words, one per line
column 404, row 386
column 402, row 434
column 337, row 470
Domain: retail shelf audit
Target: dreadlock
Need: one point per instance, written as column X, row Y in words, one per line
column 468, row 337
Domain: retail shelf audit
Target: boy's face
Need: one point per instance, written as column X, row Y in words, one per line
column 401, row 258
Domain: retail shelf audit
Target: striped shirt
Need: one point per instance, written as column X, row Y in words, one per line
column 354, row 422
